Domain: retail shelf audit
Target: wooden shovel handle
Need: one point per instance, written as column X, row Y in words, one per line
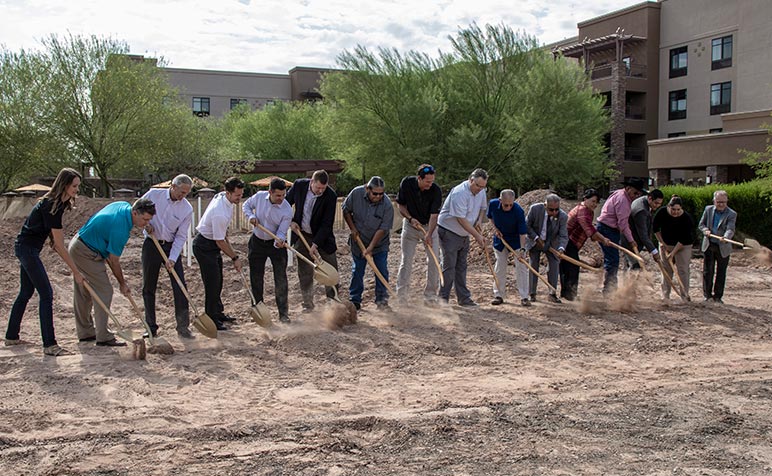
column 727, row 240
column 530, row 268
column 101, row 304
column 628, row 252
column 297, row 253
column 305, row 242
column 138, row 313
column 370, row 261
column 173, row 273
column 668, row 278
column 576, row 262
column 434, row 257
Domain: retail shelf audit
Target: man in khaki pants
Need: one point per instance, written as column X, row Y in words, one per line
column 100, row 241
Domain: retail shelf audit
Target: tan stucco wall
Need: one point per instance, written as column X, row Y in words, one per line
column 700, row 151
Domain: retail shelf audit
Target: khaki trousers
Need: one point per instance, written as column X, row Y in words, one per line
column 92, row 267
column 409, row 240
column 521, row 273
column 682, row 259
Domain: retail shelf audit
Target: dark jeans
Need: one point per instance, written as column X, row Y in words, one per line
column 455, row 250
column 32, row 277
column 306, row 271
column 209, row 259
column 610, row 257
column 569, row 273
column 259, row 252
column 714, row 263
column 152, row 262
column 357, row 286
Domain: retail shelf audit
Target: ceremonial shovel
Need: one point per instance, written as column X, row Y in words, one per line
column 259, row 311
column 125, row 334
column 203, row 323
column 324, row 272
column 434, row 257
column 576, row 262
column 522, row 260
column 372, row 265
column 749, row 244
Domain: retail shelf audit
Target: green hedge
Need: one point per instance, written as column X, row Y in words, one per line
column 751, row 200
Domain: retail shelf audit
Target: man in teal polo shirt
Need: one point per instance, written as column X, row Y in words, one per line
column 100, row 241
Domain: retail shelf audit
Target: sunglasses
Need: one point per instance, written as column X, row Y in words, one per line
column 377, row 194
column 552, row 209
column 428, row 170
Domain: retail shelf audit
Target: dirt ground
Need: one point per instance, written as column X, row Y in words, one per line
column 642, row 386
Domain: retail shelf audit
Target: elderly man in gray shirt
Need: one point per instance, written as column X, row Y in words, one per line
column 369, row 214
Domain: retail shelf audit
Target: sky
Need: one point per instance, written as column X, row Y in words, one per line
column 275, row 36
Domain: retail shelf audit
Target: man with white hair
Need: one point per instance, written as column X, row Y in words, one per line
column 508, row 221
column 547, row 228
column 718, row 220
column 170, row 227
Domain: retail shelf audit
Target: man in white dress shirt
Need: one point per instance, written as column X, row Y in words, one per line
column 271, row 210
column 211, row 242
column 170, row 227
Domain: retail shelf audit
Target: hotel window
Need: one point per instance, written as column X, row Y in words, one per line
column 201, row 107
column 721, row 55
column 235, row 102
column 677, row 109
column 678, row 62
column 717, row 130
column 720, row 98
column 676, row 134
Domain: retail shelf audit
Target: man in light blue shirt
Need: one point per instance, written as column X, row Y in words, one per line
column 170, row 227
column 100, row 241
column 463, row 209
column 272, row 211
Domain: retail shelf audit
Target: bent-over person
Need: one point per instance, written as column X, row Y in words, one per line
column 508, row 222
column 674, row 229
column 547, row 228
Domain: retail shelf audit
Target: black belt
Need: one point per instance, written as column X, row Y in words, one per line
column 88, row 246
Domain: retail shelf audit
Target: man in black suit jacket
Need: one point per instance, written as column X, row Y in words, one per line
column 315, row 204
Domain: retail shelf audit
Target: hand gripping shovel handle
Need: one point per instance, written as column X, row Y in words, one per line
column 727, row 240
column 370, row 261
column 127, row 336
column 305, row 242
column 434, row 257
column 530, row 268
column 576, row 262
column 173, row 273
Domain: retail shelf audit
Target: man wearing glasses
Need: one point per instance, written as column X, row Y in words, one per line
column 613, row 223
column 369, row 214
column 464, row 208
column 419, row 200
column 508, row 221
column 717, row 219
column 547, row 229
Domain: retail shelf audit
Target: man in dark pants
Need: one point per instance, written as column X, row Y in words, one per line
column 717, row 219
column 314, row 216
column 170, row 227
column 211, row 242
column 270, row 210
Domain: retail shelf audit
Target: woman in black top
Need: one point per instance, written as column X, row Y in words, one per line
column 674, row 229
column 45, row 221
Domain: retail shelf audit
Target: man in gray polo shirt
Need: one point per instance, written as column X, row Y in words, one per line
column 463, row 209
column 369, row 214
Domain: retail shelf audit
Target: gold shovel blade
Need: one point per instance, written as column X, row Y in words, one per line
column 205, row 325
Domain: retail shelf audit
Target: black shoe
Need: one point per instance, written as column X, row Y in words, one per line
column 707, row 299
column 308, row 307
column 112, row 343
column 718, row 300
column 146, row 335
column 497, row 300
column 87, row 339
column 555, row 299
column 220, row 326
column 357, row 305
column 284, row 319
column 468, row 304
column 533, row 298
column 185, row 334
column 228, row 319
column 382, row 306
column 525, row 302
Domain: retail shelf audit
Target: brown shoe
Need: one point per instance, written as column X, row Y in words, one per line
column 497, row 300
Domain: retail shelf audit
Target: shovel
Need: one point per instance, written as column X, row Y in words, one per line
column 323, row 269
column 573, row 261
column 125, row 334
column 749, row 244
column 370, row 261
column 203, row 323
column 434, row 257
column 259, row 311
column 158, row 345
column 324, row 272
column 530, row 268
column 629, row 253
column 673, row 266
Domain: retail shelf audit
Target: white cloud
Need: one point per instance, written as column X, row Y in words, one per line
column 274, row 36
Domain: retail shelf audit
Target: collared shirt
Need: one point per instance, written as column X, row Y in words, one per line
column 107, row 231
column 717, row 216
column 171, row 220
column 420, row 204
column 511, row 224
column 616, row 213
column 369, row 217
column 213, row 224
column 460, row 203
column 579, row 225
column 275, row 217
column 308, row 209
column 543, row 233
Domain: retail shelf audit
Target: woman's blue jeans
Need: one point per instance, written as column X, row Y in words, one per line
column 32, row 277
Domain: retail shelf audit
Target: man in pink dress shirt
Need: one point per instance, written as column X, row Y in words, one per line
column 613, row 224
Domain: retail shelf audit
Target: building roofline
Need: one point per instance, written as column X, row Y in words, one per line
column 700, row 137
column 313, row 68
column 232, row 73
column 632, row 8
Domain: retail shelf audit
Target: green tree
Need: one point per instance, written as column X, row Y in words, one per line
column 106, row 106
column 761, row 161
